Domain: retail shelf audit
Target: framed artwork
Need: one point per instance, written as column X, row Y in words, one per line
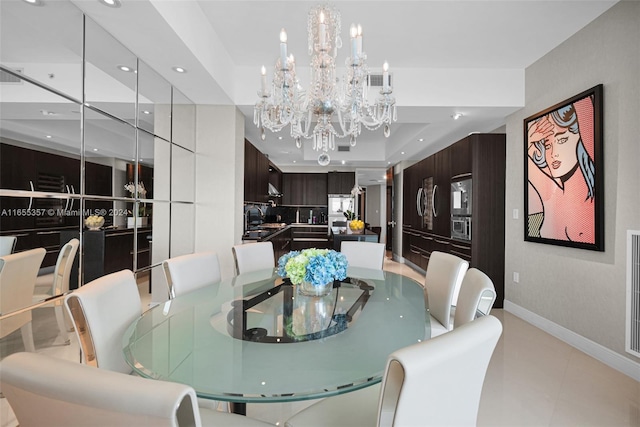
column 563, row 166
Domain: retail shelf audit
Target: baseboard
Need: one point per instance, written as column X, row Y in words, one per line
column 593, row 349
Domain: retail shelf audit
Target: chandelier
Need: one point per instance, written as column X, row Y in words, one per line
column 311, row 114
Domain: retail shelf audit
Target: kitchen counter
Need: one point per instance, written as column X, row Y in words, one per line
column 340, row 234
column 267, row 231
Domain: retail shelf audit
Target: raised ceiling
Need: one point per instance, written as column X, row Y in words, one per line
column 445, row 56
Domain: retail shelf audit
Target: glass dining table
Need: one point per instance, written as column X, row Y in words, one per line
column 253, row 338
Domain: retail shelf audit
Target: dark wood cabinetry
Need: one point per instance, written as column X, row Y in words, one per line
column 482, row 158
column 312, row 236
column 340, row 182
column 304, row 189
column 256, row 174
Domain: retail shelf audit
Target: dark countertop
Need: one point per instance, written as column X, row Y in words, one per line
column 346, row 231
column 267, row 231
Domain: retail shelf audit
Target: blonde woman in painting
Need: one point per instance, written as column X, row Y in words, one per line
column 562, row 174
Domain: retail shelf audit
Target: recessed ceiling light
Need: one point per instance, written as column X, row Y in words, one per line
column 111, row 3
column 146, row 112
column 402, row 152
column 343, row 162
column 49, row 136
column 294, row 161
column 456, row 116
column 34, row 2
column 388, row 163
column 179, row 70
column 421, row 139
column 125, row 68
column 280, row 138
column 95, row 149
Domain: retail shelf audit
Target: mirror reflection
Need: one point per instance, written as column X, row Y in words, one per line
column 110, row 74
column 44, row 43
column 47, row 137
column 154, row 102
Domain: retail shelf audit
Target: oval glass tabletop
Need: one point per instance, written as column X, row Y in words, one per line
column 253, row 338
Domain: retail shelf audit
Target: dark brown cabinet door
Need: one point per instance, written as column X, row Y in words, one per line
column 256, row 174
column 304, row 189
column 17, row 168
column 442, row 193
column 461, row 158
column 340, row 182
column 315, row 189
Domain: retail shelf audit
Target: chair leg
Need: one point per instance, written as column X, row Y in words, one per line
column 62, row 324
column 27, row 337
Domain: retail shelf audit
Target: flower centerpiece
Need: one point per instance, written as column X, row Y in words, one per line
column 313, row 270
column 141, row 192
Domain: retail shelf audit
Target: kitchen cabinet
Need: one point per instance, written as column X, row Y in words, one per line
column 108, row 251
column 481, row 157
column 442, row 193
column 281, row 242
column 340, row 182
column 256, row 174
column 304, row 189
column 311, row 236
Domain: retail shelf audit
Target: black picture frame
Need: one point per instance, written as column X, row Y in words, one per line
column 564, row 173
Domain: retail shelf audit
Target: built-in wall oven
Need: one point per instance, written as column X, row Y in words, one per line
column 461, row 207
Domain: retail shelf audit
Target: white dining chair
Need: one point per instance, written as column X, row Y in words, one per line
column 437, row 382
column 17, row 280
column 47, row 391
column 364, row 254
column 189, row 272
column 476, row 298
column 57, row 283
column 253, row 256
column 442, row 282
column 7, row 245
column 101, row 311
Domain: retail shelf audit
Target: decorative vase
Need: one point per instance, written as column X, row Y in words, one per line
column 310, row 290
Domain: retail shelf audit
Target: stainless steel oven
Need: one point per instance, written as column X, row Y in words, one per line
column 461, row 227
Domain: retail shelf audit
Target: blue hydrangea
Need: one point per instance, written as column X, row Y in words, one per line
column 316, row 266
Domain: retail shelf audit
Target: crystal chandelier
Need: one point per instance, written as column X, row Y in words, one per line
column 311, row 114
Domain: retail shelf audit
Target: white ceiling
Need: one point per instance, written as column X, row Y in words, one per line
column 445, row 56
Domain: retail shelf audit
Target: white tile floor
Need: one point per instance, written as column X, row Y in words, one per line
column 533, row 380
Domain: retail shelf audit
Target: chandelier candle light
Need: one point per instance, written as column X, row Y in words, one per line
column 326, row 101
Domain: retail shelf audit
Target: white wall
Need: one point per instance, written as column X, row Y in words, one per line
column 581, row 293
column 219, row 182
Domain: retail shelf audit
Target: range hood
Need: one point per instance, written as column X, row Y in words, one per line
column 273, row 191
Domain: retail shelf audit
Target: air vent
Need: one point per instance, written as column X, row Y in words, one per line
column 344, row 148
column 375, row 80
column 632, row 344
column 8, row 78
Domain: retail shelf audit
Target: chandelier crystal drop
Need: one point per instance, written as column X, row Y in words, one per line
column 328, row 103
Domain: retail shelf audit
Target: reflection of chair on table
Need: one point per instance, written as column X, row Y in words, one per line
column 43, row 390
column 433, row 383
column 17, row 280
column 57, row 283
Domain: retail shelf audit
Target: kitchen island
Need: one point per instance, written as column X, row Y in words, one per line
column 340, row 234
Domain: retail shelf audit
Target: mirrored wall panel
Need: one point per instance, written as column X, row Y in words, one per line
column 110, row 74
column 184, row 121
column 182, row 174
column 40, row 137
column 43, row 43
column 154, row 102
column 182, row 229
